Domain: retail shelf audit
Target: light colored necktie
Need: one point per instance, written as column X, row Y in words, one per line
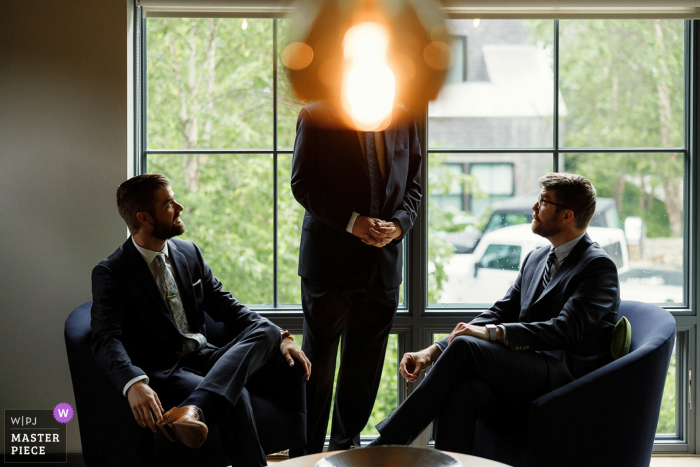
column 194, row 341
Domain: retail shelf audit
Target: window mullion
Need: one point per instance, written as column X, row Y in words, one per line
column 275, row 224
column 555, row 112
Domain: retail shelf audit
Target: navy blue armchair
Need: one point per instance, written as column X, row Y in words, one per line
column 110, row 436
column 607, row 417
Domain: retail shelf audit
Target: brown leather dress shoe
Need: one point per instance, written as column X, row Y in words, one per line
column 185, row 424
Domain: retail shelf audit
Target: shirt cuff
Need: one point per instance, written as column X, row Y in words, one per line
column 505, row 334
column 131, row 383
column 348, row 229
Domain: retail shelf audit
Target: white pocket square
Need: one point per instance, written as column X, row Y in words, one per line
column 196, row 283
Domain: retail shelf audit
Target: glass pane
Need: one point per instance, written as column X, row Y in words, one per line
column 288, row 106
column 622, row 83
column 667, row 417
column 499, row 91
column 496, row 193
column 387, row 396
column 228, row 213
column 209, row 83
column 439, row 336
column 645, row 192
column 289, row 219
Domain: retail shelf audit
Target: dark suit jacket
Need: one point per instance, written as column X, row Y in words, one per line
column 571, row 322
column 331, row 180
column 133, row 330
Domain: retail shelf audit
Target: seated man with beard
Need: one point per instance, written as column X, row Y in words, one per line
column 149, row 298
column 553, row 325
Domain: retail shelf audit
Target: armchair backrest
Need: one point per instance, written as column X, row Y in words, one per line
column 608, row 416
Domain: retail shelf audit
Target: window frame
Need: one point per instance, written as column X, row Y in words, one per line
column 416, row 320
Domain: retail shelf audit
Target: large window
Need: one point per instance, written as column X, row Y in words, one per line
column 604, row 98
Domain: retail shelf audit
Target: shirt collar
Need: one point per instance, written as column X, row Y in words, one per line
column 562, row 251
column 149, row 255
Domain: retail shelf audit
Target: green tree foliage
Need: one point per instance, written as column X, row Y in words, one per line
column 622, row 83
column 667, row 417
column 210, row 86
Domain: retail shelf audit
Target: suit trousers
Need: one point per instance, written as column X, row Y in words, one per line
column 224, row 372
column 362, row 315
column 472, row 379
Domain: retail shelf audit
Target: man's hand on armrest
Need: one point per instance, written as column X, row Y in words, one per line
column 412, row 363
column 291, row 351
column 143, row 400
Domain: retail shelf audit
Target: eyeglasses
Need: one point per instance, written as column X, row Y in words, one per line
column 541, row 201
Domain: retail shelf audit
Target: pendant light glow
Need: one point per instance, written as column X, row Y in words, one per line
column 369, row 86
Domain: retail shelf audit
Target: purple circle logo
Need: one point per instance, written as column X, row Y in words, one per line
column 63, row 413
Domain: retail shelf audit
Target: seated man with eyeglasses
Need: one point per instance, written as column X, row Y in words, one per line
column 553, row 326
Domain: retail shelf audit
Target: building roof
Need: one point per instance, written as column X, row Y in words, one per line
column 520, row 85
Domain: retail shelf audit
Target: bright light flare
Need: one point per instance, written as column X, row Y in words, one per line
column 369, row 85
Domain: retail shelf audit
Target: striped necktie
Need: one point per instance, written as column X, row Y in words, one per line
column 547, row 276
column 194, row 341
column 376, row 181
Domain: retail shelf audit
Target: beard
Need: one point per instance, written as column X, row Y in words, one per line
column 164, row 231
column 545, row 230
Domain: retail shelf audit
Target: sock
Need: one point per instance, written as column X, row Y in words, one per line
column 211, row 404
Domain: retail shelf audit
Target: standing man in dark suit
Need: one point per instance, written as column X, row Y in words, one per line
column 361, row 193
column 149, row 299
column 553, row 325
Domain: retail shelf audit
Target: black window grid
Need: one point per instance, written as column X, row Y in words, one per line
column 418, row 320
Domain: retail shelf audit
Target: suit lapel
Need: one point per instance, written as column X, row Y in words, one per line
column 184, row 286
column 143, row 274
column 534, row 284
column 350, row 141
column 568, row 265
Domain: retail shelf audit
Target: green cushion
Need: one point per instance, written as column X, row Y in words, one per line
column 621, row 339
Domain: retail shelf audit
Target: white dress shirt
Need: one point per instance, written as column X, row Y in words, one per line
column 149, row 256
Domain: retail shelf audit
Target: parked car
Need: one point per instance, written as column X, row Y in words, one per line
column 506, row 248
column 518, row 210
column 499, row 255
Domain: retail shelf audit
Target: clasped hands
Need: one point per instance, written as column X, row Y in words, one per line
column 412, row 363
column 375, row 232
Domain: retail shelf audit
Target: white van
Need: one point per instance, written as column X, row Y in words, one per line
column 500, row 253
column 505, row 249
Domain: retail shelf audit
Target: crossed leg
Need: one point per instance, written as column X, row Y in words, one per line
column 478, row 374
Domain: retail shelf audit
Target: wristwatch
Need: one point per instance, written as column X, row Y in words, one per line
column 492, row 331
column 286, row 334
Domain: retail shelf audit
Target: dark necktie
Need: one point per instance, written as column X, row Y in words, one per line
column 547, row 276
column 375, row 175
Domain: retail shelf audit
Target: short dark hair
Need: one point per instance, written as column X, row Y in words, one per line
column 573, row 191
column 137, row 195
